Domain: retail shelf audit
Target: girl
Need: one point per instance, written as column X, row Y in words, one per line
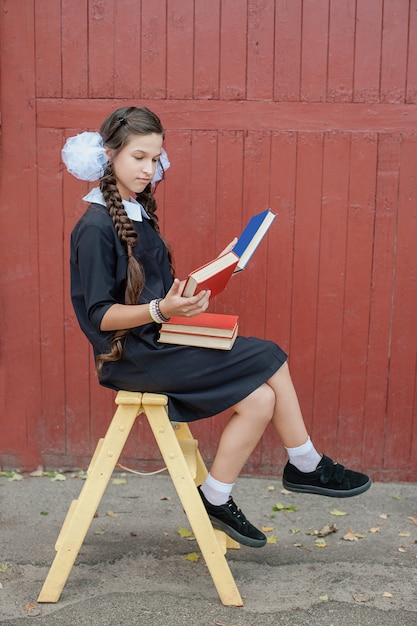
column 123, row 288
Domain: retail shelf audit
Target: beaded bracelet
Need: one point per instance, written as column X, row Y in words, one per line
column 155, row 312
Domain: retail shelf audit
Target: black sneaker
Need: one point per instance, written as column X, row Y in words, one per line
column 328, row 479
column 230, row 519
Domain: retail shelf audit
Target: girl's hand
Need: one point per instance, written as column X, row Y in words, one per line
column 175, row 304
column 230, row 247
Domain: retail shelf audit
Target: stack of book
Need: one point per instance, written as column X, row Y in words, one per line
column 213, row 330
column 207, row 330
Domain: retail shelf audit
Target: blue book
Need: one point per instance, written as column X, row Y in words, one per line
column 252, row 236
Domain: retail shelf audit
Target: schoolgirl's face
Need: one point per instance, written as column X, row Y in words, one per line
column 135, row 164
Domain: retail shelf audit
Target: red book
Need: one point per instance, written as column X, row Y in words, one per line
column 213, row 275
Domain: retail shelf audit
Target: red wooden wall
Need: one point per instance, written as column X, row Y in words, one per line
column 307, row 106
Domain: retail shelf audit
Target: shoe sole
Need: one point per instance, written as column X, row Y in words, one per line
column 323, row 491
column 234, row 534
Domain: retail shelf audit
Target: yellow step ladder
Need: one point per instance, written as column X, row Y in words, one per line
column 186, row 468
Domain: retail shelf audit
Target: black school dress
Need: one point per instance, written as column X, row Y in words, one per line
column 199, row 382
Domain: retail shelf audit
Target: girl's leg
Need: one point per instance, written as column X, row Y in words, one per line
column 242, row 432
column 287, row 419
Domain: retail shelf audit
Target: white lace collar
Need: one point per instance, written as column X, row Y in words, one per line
column 134, row 210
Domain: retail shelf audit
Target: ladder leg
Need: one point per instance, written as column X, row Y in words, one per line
column 82, row 511
column 154, row 408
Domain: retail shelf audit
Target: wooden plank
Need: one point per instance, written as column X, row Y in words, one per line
column 280, row 261
column 78, row 352
column 411, row 94
column 180, row 49
column 260, row 50
column 394, row 51
column 368, row 41
column 206, row 49
column 400, row 423
column 233, row 34
column 74, row 24
column 287, row 73
column 51, row 294
column 153, row 61
column 101, row 70
column 240, row 115
column 381, row 300
column 341, row 51
column 127, row 49
column 315, row 21
column 47, row 24
column 331, row 290
column 255, row 199
column 19, row 280
column 306, row 269
column 357, row 296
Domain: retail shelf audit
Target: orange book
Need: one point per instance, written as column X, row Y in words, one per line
column 207, row 330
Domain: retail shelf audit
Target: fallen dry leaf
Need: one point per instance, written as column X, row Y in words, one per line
column 111, row 514
column 361, row 597
column 384, row 516
column 267, row 529
column 401, row 549
column 183, row 532
column 387, row 594
column 375, row 529
column 271, row 539
column 413, row 519
column 320, row 543
column 324, row 598
column 350, row 536
column 337, row 512
column 192, row 556
column 403, row 534
column 270, row 488
column 326, row 530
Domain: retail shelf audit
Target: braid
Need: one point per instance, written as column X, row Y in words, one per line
column 134, row 278
column 147, row 200
column 116, row 131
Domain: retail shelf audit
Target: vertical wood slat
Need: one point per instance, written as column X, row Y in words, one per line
column 315, row 21
column 48, row 45
column 368, row 42
column 75, row 43
column 180, row 49
column 101, row 70
column 20, row 421
column 153, row 60
column 394, row 51
column 206, row 49
column 411, row 95
column 306, row 269
column 401, row 425
column 260, row 50
column 341, row 51
column 233, row 37
column 51, row 284
column 357, row 296
column 127, row 49
column 381, row 299
column 332, row 268
column 287, row 50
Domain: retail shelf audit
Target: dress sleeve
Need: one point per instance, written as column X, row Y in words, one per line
column 98, row 271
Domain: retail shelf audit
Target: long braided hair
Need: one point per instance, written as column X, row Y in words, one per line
column 116, row 131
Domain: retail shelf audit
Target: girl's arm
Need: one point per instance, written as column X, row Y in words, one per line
column 123, row 316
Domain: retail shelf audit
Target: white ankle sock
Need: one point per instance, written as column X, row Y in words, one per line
column 216, row 492
column 305, row 457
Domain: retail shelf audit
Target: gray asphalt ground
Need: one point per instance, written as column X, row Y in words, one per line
column 133, row 567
